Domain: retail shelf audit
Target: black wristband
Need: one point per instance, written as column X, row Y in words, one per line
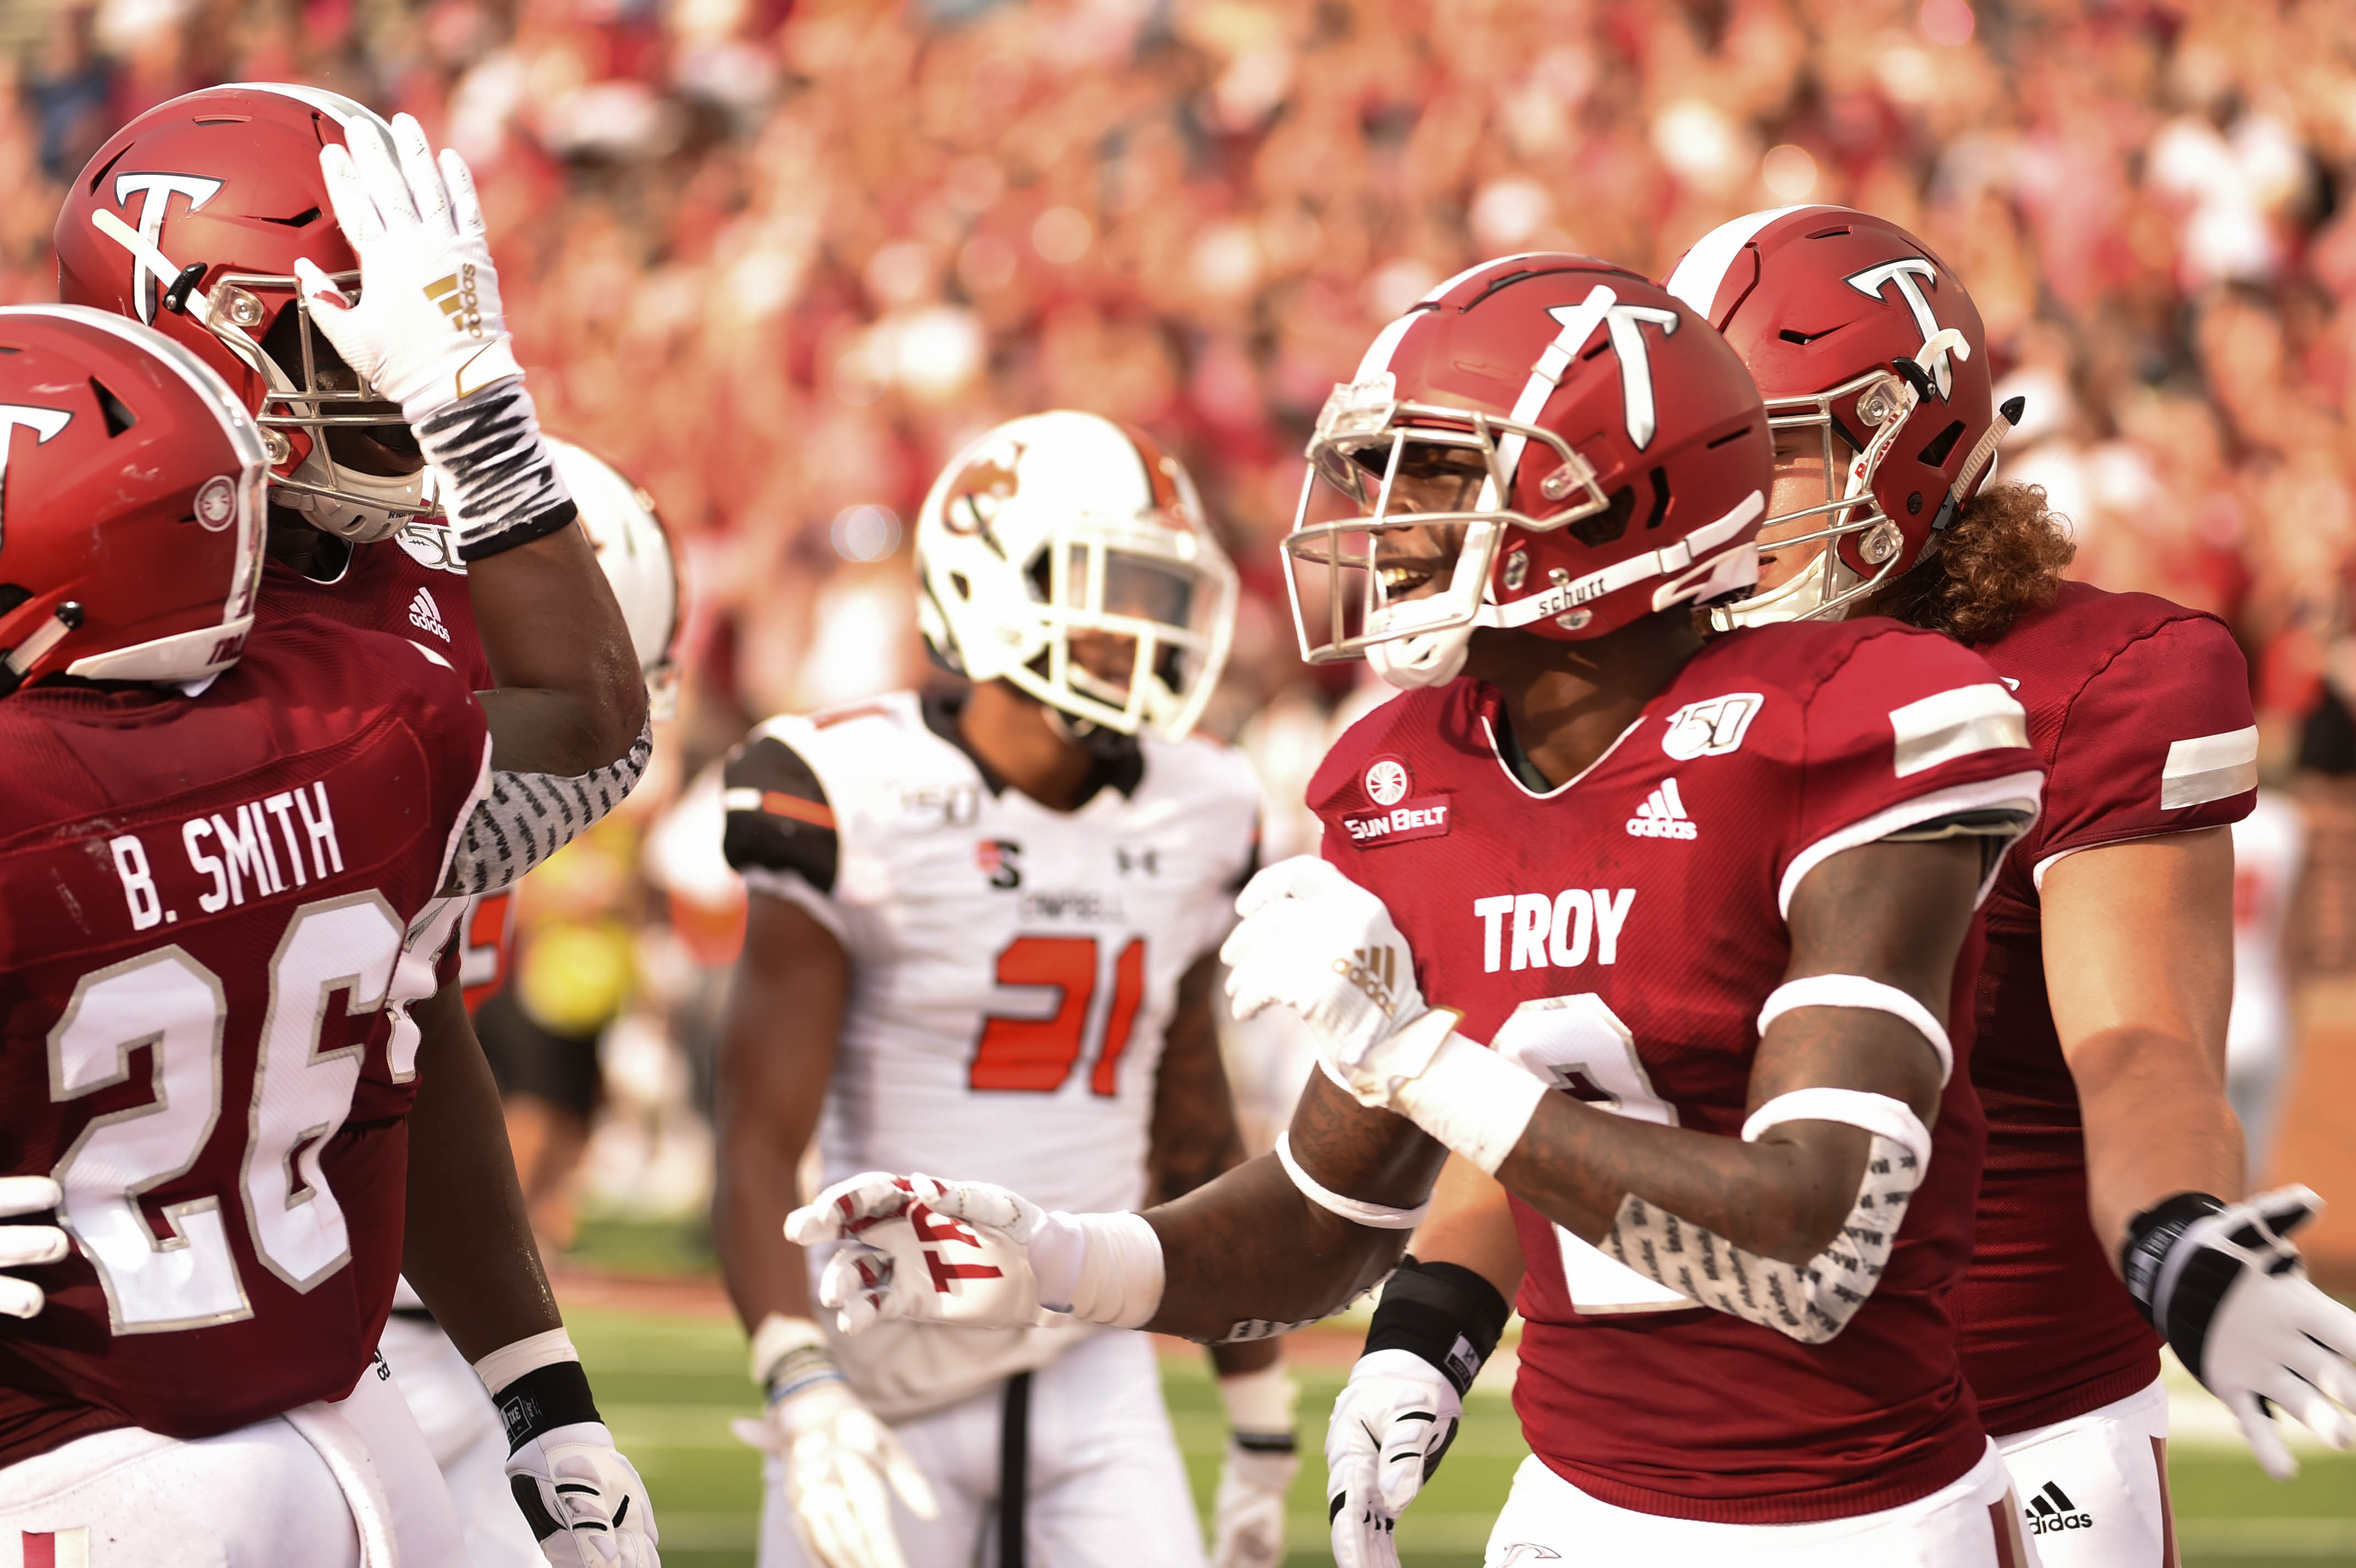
column 1267, row 1441
column 1444, row 1313
column 520, row 533
column 543, row 1400
column 2182, row 1313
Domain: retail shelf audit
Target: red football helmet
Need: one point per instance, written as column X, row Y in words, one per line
column 1607, row 458
column 189, row 219
column 1854, row 330
column 131, row 503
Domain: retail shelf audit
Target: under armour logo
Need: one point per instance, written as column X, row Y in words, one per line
column 44, row 423
column 1904, row 271
column 156, row 193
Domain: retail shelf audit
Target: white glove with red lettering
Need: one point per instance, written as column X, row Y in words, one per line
column 971, row 1253
column 428, row 329
column 23, row 1245
column 1315, row 941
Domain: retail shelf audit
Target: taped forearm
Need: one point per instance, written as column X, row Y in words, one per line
column 498, row 485
column 527, row 818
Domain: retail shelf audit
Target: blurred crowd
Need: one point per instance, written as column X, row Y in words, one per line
column 777, row 258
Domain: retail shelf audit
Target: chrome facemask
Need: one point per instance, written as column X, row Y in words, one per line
column 1362, row 417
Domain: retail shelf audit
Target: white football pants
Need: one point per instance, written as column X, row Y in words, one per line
column 1107, row 1486
column 348, row 1485
column 463, row 1432
column 1969, row 1523
column 2094, row 1490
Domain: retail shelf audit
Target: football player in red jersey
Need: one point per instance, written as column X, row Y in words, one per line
column 568, row 740
column 2112, row 1213
column 196, row 217
column 1706, row 905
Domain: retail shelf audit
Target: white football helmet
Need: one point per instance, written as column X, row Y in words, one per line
column 1057, row 543
column 636, row 550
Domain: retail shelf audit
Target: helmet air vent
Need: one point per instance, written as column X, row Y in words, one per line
column 119, row 417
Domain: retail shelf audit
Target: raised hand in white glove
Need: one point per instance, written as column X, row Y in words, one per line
column 839, row 1459
column 1392, row 1422
column 974, row 1254
column 582, row 1500
column 23, row 1245
column 428, row 329
column 1313, row 940
column 2227, row 1287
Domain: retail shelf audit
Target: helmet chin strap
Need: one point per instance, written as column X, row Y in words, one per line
column 1426, row 659
column 1789, row 601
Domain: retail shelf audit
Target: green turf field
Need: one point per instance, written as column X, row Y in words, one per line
column 668, row 1386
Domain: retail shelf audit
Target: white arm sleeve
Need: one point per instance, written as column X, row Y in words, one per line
column 1810, row 1302
column 527, row 818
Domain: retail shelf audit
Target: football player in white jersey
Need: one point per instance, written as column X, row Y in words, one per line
column 981, row 937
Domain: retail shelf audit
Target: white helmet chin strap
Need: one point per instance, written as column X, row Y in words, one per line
column 1428, row 658
column 347, row 516
column 1790, row 601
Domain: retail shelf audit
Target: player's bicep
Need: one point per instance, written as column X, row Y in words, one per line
column 2139, row 937
column 781, row 1028
column 1879, row 919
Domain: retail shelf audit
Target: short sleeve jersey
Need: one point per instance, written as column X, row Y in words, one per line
column 203, row 908
column 2140, row 711
column 1015, row 968
column 413, row 585
column 1617, row 935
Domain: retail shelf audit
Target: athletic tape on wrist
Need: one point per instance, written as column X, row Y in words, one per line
column 1259, row 1407
column 1473, row 1100
column 790, row 1356
column 1444, row 1314
column 544, row 1400
column 1120, row 1274
column 1878, row 1114
column 508, row 1362
column 499, row 486
column 1857, row 991
column 1377, row 1216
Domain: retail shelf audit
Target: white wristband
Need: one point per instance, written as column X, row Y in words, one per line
column 508, row 1362
column 1117, row 1279
column 1259, row 1402
column 1878, row 1114
column 1857, row 991
column 777, row 1338
column 1357, row 1210
column 1473, row 1100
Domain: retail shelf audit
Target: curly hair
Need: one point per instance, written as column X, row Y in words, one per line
column 2004, row 555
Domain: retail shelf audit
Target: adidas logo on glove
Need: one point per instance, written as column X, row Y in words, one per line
column 1374, row 971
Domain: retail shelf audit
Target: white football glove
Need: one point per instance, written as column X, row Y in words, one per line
column 428, row 329
column 582, row 1500
column 934, row 1252
column 22, row 1245
column 1394, row 1420
column 1313, row 940
column 2227, row 1287
column 1247, row 1518
column 838, row 1460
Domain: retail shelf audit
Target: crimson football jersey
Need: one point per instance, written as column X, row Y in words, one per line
column 1617, row 936
column 203, row 908
column 413, row 585
column 2140, row 711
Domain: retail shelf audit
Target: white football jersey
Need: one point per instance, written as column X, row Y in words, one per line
column 1014, row 967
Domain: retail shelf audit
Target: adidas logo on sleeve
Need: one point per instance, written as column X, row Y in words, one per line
column 426, row 615
column 1663, row 815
